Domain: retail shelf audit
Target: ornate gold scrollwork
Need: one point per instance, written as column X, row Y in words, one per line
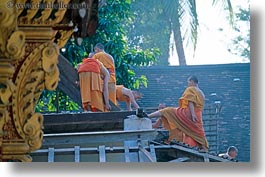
column 49, row 63
column 45, row 14
column 19, row 157
column 11, row 48
column 15, row 45
column 28, row 65
column 7, row 15
column 65, row 35
column 39, row 71
column 6, row 92
column 21, row 5
column 50, row 58
column 3, row 115
column 32, row 11
column 61, row 11
column 33, row 131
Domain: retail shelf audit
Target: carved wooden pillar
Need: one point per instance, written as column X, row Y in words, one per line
column 29, row 47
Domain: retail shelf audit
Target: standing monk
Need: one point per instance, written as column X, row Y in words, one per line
column 108, row 62
column 187, row 118
column 91, row 72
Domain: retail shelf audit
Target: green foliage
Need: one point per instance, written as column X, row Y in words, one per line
column 155, row 20
column 114, row 18
column 150, row 28
column 75, row 53
column 49, row 102
column 241, row 44
column 112, row 32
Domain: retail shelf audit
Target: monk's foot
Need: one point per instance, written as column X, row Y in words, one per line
column 145, row 114
column 203, row 149
column 167, row 142
column 140, row 113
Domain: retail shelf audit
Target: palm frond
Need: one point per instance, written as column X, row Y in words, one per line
column 189, row 22
column 226, row 5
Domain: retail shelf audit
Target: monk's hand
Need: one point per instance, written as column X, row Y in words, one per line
column 157, row 123
column 108, row 107
column 194, row 118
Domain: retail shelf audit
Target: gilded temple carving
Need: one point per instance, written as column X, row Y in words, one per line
column 32, row 32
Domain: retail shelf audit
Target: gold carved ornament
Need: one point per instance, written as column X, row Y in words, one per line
column 28, row 65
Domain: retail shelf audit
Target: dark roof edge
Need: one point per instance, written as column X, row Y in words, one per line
column 213, row 66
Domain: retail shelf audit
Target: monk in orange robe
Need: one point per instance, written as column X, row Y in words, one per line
column 185, row 122
column 95, row 96
column 108, row 62
column 128, row 96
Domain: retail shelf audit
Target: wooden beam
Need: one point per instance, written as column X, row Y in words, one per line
column 51, row 155
column 206, row 157
column 68, row 78
column 77, row 153
column 126, row 154
column 152, row 151
column 146, row 153
column 181, row 159
column 102, row 150
column 67, row 84
column 102, row 154
column 84, row 138
column 84, row 122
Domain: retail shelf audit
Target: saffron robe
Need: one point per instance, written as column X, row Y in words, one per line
column 91, row 86
column 106, row 59
column 120, row 96
column 178, row 120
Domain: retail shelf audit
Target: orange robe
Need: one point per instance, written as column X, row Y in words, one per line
column 91, row 87
column 108, row 63
column 120, row 96
column 178, row 120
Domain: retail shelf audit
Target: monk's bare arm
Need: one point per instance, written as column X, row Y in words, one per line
column 106, row 78
column 111, row 58
column 155, row 114
column 129, row 93
column 193, row 115
column 128, row 105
